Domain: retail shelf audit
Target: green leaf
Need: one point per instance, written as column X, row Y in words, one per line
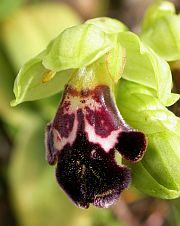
column 34, row 81
column 77, row 47
column 161, row 31
column 158, row 173
column 145, row 67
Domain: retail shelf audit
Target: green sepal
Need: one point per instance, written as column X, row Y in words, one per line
column 77, row 47
column 38, row 80
column 158, row 173
column 115, row 61
column 117, row 48
column 160, row 30
column 145, row 67
column 108, row 25
column 34, row 81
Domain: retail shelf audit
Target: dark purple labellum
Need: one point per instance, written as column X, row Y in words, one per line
column 82, row 139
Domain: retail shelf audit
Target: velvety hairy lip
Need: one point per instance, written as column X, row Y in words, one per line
column 82, row 139
column 88, row 174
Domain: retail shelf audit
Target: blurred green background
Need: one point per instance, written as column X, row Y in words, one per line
column 29, row 194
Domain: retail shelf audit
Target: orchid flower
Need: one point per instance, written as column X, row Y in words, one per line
column 84, row 135
column 91, row 64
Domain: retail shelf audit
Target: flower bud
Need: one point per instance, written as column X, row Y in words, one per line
column 162, row 21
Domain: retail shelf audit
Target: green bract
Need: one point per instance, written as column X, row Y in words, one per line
column 160, row 30
column 158, row 173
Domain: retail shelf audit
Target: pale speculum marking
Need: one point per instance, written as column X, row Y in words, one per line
column 82, row 139
column 103, row 124
column 102, row 120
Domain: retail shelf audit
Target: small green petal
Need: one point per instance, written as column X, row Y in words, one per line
column 77, row 47
column 34, row 81
column 115, row 60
